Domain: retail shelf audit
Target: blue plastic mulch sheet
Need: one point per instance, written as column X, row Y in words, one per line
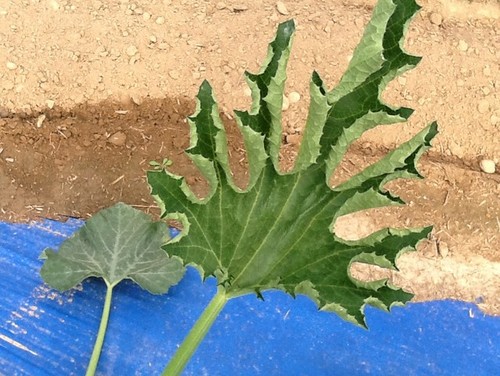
column 43, row 332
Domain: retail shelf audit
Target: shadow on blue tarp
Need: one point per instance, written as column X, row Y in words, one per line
column 43, row 332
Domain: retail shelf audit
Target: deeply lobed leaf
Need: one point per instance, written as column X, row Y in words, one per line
column 277, row 233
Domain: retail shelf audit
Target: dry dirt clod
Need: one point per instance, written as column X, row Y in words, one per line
column 436, row 18
column 118, row 139
column 281, row 8
column 293, row 139
column 174, row 74
column 137, row 99
column 443, row 249
column 131, row 50
column 483, row 106
column 487, row 166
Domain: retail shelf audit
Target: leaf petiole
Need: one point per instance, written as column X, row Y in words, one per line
column 96, row 353
column 196, row 334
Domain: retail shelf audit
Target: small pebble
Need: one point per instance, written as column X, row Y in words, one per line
column 293, row 97
column 462, row 45
column 160, row 20
column 146, row 16
column 11, row 65
column 118, row 138
column 174, row 74
column 483, row 106
column 286, row 104
column 54, row 5
column 281, row 7
column 220, row 6
column 402, row 81
column 487, row 166
column 137, row 99
column 247, row 91
column 436, row 18
column 10, row 160
column 50, row 103
column 443, row 249
column 239, row 8
column 40, row 120
column 131, row 50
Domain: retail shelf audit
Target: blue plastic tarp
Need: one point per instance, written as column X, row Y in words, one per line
column 43, row 332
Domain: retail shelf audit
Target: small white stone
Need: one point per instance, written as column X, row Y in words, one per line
column 247, row 91
column 131, row 50
column 487, row 166
column 54, row 5
column 11, row 66
column 40, row 120
column 462, row 45
column 293, row 97
column 50, row 103
column 160, row 20
column 281, row 8
column 146, row 16
column 286, row 104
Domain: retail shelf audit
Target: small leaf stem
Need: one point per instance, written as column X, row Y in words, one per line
column 196, row 334
column 96, row 353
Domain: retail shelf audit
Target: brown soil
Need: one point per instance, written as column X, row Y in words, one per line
column 90, row 92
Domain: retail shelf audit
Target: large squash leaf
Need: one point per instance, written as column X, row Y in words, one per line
column 278, row 232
